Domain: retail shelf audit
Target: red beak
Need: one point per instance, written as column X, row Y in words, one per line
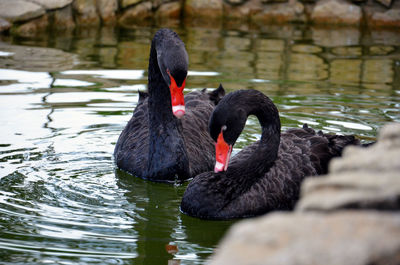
column 223, row 153
column 177, row 100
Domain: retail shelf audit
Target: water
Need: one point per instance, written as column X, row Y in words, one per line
column 65, row 98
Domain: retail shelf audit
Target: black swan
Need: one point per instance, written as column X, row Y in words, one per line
column 265, row 175
column 167, row 140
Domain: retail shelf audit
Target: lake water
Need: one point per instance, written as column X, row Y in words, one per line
column 66, row 97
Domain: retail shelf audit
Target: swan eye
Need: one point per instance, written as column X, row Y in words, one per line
column 223, row 128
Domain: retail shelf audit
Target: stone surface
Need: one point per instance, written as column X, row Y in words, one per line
column 346, row 237
column 358, row 190
column 85, row 12
column 107, row 10
column 293, row 11
column 336, row 12
column 52, row 4
column 138, row 13
column 383, row 156
column 19, row 10
column 4, row 25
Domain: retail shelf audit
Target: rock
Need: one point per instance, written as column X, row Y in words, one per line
column 63, row 18
column 358, row 190
column 386, row 3
column 203, row 8
column 336, row 12
column 383, row 156
column 4, row 25
column 52, row 4
column 293, row 11
column 346, row 237
column 139, row 13
column 85, row 12
column 364, row 178
column 19, row 10
column 107, row 10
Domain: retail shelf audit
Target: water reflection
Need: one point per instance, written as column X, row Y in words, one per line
column 66, row 97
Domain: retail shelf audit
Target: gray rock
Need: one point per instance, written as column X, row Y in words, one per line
column 383, row 156
column 336, row 12
column 19, row 10
column 52, row 4
column 347, row 237
column 356, row 190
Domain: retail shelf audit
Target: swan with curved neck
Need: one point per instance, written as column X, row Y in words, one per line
column 264, row 176
column 161, row 140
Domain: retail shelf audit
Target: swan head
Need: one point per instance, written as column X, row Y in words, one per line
column 173, row 62
column 226, row 123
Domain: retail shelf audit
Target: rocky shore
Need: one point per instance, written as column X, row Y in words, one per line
column 30, row 16
column 350, row 216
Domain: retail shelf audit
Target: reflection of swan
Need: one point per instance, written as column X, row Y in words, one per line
column 153, row 209
column 159, row 142
column 264, row 176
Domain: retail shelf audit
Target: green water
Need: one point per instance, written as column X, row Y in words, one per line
column 66, row 97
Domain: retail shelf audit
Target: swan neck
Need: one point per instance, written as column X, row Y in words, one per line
column 266, row 152
column 159, row 92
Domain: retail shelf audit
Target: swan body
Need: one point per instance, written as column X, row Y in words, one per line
column 265, row 175
column 166, row 138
